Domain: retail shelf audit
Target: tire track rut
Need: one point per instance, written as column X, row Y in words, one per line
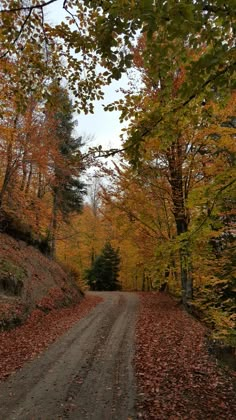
column 86, row 374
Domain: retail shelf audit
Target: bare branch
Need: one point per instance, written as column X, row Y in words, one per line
column 44, row 33
column 19, row 34
column 29, row 8
column 65, row 7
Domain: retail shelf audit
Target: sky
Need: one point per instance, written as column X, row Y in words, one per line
column 103, row 128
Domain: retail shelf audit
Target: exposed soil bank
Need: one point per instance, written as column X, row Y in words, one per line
column 29, row 280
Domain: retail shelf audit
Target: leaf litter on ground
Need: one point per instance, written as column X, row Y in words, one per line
column 177, row 378
column 28, row 340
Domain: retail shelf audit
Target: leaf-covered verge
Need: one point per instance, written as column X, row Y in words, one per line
column 28, row 340
column 177, row 378
column 215, row 305
column 30, row 281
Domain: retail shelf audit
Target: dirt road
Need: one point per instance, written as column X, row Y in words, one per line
column 86, row 374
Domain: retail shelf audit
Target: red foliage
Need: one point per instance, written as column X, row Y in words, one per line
column 176, row 377
column 25, row 342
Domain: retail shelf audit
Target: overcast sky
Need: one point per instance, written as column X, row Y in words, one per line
column 103, row 126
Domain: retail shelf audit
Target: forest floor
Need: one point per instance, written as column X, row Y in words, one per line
column 105, row 368
column 177, row 378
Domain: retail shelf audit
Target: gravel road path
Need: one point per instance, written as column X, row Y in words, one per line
column 86, row 374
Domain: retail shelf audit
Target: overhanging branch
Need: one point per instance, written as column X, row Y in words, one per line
column 29, row 8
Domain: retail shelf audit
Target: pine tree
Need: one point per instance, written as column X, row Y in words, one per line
column 67, row 188
column 103, row 274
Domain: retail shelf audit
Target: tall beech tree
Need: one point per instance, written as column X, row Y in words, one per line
column 138, row 203
column 176, row 144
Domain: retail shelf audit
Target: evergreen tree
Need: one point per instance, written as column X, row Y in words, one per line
column 103, row 274
column 67, row 188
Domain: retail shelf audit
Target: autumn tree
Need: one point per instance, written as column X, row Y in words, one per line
column 105, row 32
column 138, row 203
column 25, row 142
column 41, row 160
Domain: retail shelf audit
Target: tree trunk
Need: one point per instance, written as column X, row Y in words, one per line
column 144, row 281
column 53, row 228
column 24, row 167
column 186, row 274
column 11, row 165
column 40, row 186
column 25, row 184
column 8, row 173
column 29, row 179
column 176, row 162
column 24, row 176
column 92, row 256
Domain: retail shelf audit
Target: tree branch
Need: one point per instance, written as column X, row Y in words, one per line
column 19, row 34
column 212, row 206
column 30, row 8
column 148, row 130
